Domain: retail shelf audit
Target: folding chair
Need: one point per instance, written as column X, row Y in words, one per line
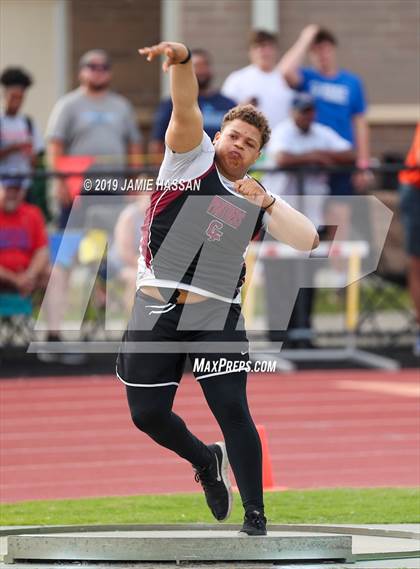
column 16, row 323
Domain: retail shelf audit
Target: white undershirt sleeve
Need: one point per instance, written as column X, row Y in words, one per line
column 187, row 165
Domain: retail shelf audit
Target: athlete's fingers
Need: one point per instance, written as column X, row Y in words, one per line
column 148, row 51
column 169, row 52
column 244, row 186
column 160, row 49
column 155, row 51
column 250, row 190
column 170, row 56
column 152, row 51
column 255, row 187
column 251, row 193
column 245, row 190
column 248, row 186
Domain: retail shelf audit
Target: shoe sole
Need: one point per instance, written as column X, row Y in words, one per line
column 245, row 534
column 225, row 477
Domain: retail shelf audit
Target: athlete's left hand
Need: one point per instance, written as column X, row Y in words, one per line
column 175, row 53
column 253, row 192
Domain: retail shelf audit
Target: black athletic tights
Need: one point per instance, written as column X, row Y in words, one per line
column 151, row 411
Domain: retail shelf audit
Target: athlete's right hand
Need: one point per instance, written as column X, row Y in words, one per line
column 174, row 52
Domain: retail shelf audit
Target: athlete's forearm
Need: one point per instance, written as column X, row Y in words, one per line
column 291, row 227
column 185, row 129
column 285, row 223
column 184, row 89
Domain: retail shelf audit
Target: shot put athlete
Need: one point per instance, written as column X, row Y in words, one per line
column 191, row 269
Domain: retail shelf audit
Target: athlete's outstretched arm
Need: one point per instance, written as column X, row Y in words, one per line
column 185, row 129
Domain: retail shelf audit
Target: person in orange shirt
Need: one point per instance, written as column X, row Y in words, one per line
column 410, row 211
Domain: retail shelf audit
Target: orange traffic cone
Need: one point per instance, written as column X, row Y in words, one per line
column 268, row 478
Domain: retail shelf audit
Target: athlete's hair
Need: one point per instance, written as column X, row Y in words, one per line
column 15, row 77
column 324, row 35
column 250, row 115
column 258, row 37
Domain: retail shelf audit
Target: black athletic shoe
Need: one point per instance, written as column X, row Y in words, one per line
column 254, row 523
column 215, row 482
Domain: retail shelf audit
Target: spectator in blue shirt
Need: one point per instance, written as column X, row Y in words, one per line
column 338, row 93
column 212, row 103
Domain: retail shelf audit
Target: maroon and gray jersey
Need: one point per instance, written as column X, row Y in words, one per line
column 197, row 228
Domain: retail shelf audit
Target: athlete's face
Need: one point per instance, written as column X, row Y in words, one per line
column 237, row 148
column 96, row 74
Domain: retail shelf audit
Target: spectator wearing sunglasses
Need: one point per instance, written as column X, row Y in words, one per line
column 92, row 121
column 90, row 125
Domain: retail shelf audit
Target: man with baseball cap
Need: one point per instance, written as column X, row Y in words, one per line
column 299, row 141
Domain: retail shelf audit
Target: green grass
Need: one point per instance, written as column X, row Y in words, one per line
column 358, row 506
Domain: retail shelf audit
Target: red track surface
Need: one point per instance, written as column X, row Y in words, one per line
column 73, row 437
